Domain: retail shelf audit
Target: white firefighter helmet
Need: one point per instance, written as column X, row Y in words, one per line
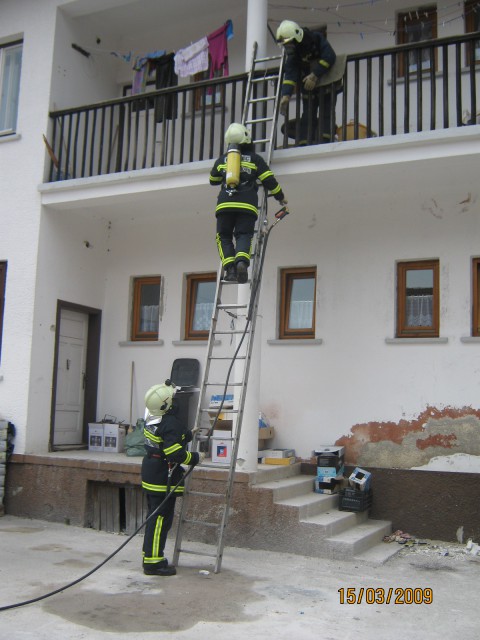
column 159, row 398
column 237, row 134
column 288, row 31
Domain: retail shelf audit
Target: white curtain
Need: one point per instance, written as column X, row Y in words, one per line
column 419, row 311
column 301, row 314
column 149, row 317
column 202, row 316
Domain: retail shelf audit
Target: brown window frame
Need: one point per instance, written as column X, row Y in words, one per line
column 403, row 330
column 198, row 94
column 193, row 280
column 287, row 278
column 476, row 297
column 3, row 286
column 470, row 13
column 410, row 18
column 136, row 334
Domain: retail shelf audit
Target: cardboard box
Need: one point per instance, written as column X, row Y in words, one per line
column 95, row 436
column 280, row 461
column 328, row 484
column 360, row 479
column 216, row 401
column 330, row 472
column 281, row 453
column 221, row 450
column 113, row 438
column 264, row 433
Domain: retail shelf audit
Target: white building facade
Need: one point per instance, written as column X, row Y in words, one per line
column 397, row 392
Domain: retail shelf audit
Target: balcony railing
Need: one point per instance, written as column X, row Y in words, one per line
column 416, row 87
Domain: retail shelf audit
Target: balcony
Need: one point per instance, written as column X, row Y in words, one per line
column 425, row 86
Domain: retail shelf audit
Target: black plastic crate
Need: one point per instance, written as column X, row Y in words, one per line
column 354, row 500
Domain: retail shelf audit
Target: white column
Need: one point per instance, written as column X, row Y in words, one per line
column 257, row 30
column 257, row 14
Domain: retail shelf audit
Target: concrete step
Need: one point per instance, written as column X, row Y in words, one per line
column 288, row 487
column 358, row 539
column 333, row 521
column 270, row 472
column 309, row 504
column 379, row 554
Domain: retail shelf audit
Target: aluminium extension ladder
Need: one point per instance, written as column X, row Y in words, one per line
column 229, row 312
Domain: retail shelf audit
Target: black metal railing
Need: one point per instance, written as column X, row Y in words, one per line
column 416, row 87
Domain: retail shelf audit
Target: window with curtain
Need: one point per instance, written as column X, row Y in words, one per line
column 146, row 308
column 297, row 302
column 418, row 299
column 472, row 23
column 200, row 302
column 416, row 25
column 3, row 281
column 10, row 67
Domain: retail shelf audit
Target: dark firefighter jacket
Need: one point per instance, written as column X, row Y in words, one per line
column 166, row 443
column 252, row 168
column 313, row 54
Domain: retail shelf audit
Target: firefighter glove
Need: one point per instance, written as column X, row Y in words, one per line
column 283, row 202
column 310, row 82
column 284, row 105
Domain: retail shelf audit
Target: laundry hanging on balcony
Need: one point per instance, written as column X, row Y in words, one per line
column 218, row 48
column 141, row 68
column 192, row 59
column 165, row 76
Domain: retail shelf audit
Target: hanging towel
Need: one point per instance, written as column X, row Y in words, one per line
column 165, row 76
column 218, row 48
column 192, row 59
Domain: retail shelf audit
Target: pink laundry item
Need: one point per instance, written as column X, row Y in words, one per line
column 193, row 59
column 218, row 48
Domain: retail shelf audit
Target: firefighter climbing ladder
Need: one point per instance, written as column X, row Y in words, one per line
column 267, row 104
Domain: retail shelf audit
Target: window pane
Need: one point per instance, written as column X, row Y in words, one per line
column 419, row 303
column 301, row 303
column 10, row 61
column 149, row 298
column 204, row 302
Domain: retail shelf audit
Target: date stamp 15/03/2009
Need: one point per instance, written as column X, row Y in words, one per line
column 380, row 595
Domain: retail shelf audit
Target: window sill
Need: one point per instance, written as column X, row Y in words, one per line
column 416, row 340
column 141, row 343
column 297, row 341
column 9, row 137
column 193, row 343
column 470, row 339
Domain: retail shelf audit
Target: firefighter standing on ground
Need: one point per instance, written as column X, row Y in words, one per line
column 237, row 203
column 166, row 439
column 309, row 56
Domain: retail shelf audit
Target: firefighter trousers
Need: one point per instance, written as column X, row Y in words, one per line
column 238, row 224
column 157, row 528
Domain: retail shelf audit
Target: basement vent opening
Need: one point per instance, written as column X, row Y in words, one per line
column 117, row 508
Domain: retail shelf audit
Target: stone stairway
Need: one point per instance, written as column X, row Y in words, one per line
column 322, row 529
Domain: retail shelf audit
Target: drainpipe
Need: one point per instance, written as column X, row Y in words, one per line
column 257, row 14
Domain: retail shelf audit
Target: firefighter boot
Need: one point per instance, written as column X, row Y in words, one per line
column 161, row 568
column 242, row 272
column 230, row 273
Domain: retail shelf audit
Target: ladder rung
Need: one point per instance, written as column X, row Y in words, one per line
column 264, row 78
column 264, row 99
column 222, row 384
column 232, row 306
column 227, row 357
column 267, row 59
column 230, row 332
column 205, row 524
column 206, row 494
column 223, row 410
column 258, row 120
column 260, row 140
column 198, row 553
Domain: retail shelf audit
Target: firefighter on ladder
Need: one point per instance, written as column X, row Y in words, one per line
column 166, row 440
column 237, row 173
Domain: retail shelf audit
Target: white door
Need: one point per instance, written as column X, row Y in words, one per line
column 72, row 357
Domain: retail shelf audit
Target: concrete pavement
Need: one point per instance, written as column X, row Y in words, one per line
column 257, row 594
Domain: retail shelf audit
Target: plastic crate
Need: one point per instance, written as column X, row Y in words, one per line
column 354, row 500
